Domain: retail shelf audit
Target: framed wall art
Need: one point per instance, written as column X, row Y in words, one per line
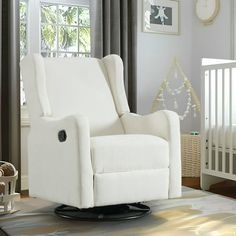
column 161, row 16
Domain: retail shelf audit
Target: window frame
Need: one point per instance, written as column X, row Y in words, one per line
column 34, row 15
column 57, row 26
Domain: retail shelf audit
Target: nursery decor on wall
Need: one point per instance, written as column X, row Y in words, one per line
column 161, row 16
column 207, row 10
column 166, row 92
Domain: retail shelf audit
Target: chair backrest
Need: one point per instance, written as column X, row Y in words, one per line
column 93, row 87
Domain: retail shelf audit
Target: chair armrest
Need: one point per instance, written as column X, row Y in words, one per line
column 157, row 123
column 164, row 124
column 61, row 170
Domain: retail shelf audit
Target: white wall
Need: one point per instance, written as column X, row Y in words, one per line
column 156, row 52
column 212, row 41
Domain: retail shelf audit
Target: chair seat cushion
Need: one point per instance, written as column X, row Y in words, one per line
column 121, row 153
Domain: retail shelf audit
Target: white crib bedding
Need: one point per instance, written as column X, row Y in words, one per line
column 224, row 135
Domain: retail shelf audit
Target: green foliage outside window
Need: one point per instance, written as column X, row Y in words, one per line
column 23, row 29
column 23, row 42
column 65, row 30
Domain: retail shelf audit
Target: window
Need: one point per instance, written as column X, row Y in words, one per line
column 23, row 39
column 65, row 30
column 56, row 28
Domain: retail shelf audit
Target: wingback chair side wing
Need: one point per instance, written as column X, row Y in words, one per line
column 115, row 71
column 28, row 72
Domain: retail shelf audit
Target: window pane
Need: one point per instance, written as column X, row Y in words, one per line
column 65, row 30
column 68, row 15
column 68, row 39
column 23, row 42
column 23, row 39
column 84, row 39
column 49, row 14
column 84, row 16
column 48, row 37
column 23, row 11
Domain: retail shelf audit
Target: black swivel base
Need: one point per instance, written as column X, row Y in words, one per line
column 106, row 213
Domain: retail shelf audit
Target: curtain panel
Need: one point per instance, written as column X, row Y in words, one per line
column 10, row 84
column 114, row 31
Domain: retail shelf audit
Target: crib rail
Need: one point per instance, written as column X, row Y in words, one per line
column 218, row 118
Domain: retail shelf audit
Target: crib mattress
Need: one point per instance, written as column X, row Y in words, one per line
column 224, row 136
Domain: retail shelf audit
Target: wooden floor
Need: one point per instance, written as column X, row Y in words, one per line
column 191, row 182
column 24, row 194
column 226, row 188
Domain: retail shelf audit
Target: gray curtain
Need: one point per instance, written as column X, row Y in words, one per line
column 10, row 84
column 114, row 31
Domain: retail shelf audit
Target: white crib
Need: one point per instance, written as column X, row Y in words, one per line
column 218, row 122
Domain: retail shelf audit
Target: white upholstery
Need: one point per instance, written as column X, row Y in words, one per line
column 130, row 187
column 54, row 167
column 121, row 153
column 71, row 87
column 41, row 81
column 114, row 68
column 110, row 156
column 164, row 124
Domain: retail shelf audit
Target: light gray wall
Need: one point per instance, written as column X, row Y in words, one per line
column 212, row 41
column 156, row 52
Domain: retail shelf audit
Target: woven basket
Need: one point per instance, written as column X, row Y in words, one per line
column 191, row 152
column 7, row 191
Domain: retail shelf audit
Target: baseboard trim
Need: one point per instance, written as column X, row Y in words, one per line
column 24, row 182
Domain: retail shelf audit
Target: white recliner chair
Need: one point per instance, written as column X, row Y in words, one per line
column 85, row 148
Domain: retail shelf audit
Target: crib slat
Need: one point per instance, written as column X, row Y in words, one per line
column 210, row 124
column 230, row 122
column 216, row 123
column 204, row 119
column 223, row 120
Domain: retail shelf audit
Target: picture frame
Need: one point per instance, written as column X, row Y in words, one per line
column 161, row 16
